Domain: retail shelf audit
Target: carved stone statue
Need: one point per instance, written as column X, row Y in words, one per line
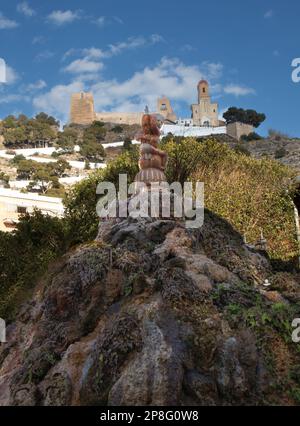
column 152, row 160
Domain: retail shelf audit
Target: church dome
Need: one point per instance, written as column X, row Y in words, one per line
column 202, row 82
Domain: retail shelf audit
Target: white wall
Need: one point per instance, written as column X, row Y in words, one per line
column 195, row 131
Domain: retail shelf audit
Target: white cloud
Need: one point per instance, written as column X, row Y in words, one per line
column 91, row 61
column 80, row 66
column 57, row 100
column 118, row 20
column 11, row 75
column 6, row 24
column 38, row 40
column 169, row 77
column 10, row 98
column 101, row 21
column 46, row 54
column 188, row 48
column 38, row 85
column 132, row 43
column 94, row 53
column 237, row 90
column 25, row 9
column 60, row 17
column 269, row 14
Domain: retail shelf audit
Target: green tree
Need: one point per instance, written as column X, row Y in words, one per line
column 127, row 145
column 248, row 116
column 92, row 150
column 44, row 118
column 40, row 133
column 4, row 179
column 95, row 132
column 67, row 139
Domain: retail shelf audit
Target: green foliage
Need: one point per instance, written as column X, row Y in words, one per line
column 81, row 217
column 24, row 255
column 90, row 142
column 241, row 149
column 280, row 153
column 117, row 129
column 127, row 145
column 4, row 179
column 248, row 116
column 244, row 305
column 95, row 132
column 44, row 118
column 25, row 132
column 184, row 154
column 67, row 139
column 92, row 150
column 295, row 394
column 277, row 135
column 43, row 174
column 251, row 194
column 253, row 136
column 17, row 159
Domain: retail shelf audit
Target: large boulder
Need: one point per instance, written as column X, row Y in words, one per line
column 152, row 313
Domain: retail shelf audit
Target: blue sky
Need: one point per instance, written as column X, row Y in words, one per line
column 129, row 52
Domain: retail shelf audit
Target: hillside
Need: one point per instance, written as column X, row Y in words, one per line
column 152, row 313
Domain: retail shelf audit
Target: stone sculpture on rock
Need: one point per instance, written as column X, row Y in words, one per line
column 152, row 162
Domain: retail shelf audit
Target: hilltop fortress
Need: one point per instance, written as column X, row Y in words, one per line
column 204, row 119
column 83, row 111
column 204, row 113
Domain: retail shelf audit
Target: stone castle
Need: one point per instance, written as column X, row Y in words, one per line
column 83, row 111
column 204, row 113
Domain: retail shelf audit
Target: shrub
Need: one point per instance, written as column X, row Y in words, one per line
column 280, row 153
column 253, row 136
column 117, row 129
column 276, row 135
column 24, row 256
column 81, row 217
column 241, row 149
column 251, row 194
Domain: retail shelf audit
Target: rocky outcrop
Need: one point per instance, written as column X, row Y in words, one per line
column 152, row 313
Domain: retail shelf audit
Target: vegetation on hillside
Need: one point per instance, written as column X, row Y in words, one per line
column 44, row 176
column 25, row 255
column 253, row 195
column 24, row 132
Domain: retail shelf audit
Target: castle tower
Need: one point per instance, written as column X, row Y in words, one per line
column 82, row 108
column 204, row 113
column 203, row 91
column 165, row 109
